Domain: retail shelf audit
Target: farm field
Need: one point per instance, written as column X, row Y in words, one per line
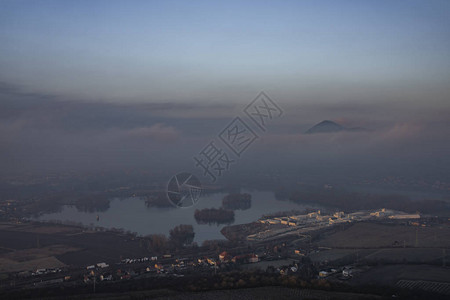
column 26, row 247
column 331, row 255
column 407, row 255
column 8, row 265
column 391, row 274
column 374, row 235
column 270, row 293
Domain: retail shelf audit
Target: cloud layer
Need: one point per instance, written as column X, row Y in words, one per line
column 45, row 132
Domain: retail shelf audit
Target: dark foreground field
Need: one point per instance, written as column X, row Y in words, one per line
column 271, row 293
column 62, row 245
column 391, row 274
column 376, row 235
column 260, row 293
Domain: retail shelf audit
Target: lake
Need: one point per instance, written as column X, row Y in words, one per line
column 132, row 214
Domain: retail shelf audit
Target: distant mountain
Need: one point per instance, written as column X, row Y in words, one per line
column 325, row 127
column 330, row 126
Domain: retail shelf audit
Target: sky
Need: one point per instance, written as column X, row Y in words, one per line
column 89, row 83
column 225, row 51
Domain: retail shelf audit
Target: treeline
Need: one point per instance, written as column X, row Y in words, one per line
column 92, row 203
column 352, row 201
column 179, row 237
column 214, row 215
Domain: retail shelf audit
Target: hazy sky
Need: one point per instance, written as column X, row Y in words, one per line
column 90, row 83
column 224, row 50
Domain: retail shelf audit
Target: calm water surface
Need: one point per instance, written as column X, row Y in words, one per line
column 132, row 214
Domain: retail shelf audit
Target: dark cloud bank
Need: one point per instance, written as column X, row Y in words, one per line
column 42, row 133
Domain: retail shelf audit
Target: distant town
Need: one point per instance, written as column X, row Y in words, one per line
column 300, row 248
column 344, row 245
column 300, row 224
